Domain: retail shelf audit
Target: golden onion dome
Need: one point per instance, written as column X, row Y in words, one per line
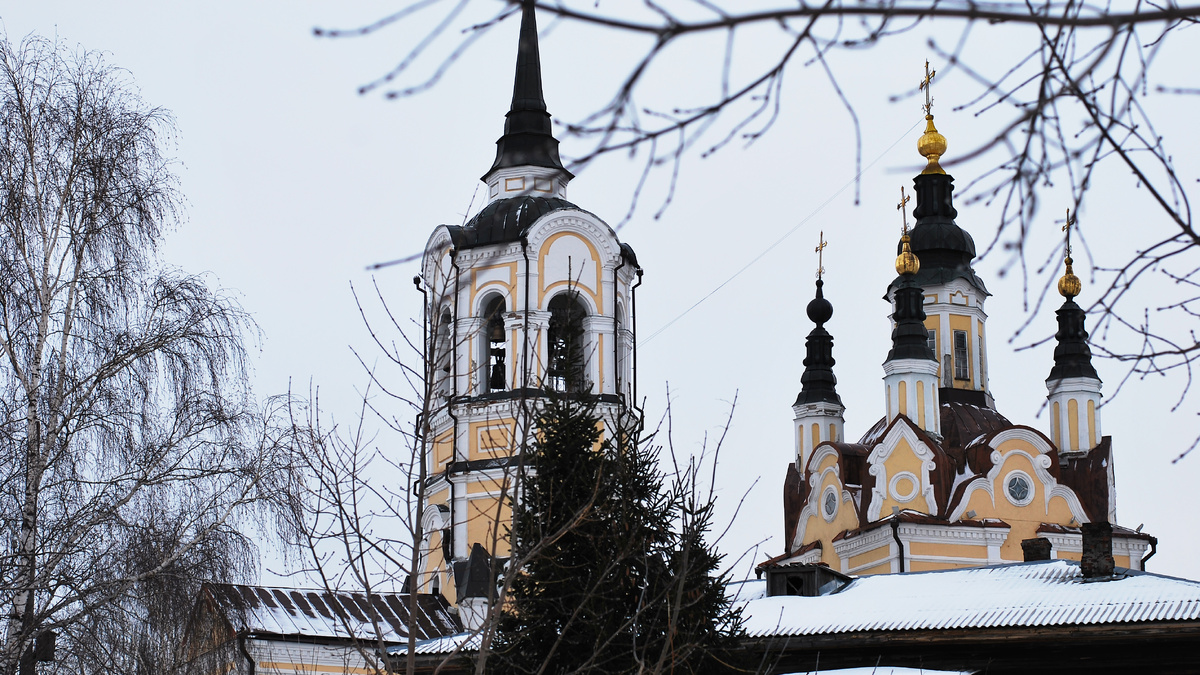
column 1069, row 285
column 907, row 262
column 932, row 145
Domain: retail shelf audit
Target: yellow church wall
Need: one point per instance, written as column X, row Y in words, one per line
column 484, row 513
column 443, row 450
column 885, row 568
column 490, row 438
column 947, row 550
column 871, row 556
column 1055, row 421
column 930, row 565
column 1024, row 520
column 903, row 459
column 816, row 527
column 485, row 485
column 1091, row 424
column 439, row 497
column 1073, row 422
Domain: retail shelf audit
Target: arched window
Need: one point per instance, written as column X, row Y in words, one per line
column 566, row 366
column 442, row 357
column 493, row 344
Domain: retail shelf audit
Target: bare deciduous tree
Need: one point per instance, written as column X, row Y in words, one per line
column 133, row 455
column 1071, row 94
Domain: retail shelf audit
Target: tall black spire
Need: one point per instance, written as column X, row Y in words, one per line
column 818, row 383
column 1072, row 356
column 528, row 139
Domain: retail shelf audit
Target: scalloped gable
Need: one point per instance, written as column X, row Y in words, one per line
column 932, row 462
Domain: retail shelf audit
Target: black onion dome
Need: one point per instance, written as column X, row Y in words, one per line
column 507, row 220
column 819, row 309
column 945, row 249
column 818, row 383
column 1072, row 356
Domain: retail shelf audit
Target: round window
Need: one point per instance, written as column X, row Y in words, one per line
column 1019, row 488
column 830, row 504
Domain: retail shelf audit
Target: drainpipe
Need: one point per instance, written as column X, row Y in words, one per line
column 617, row 335
column 246, row 653
column 525, row 337
column 1153, row 550
column 633, row 314
column 896, row 536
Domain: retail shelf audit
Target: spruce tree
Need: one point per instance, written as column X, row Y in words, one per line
column 613, row 576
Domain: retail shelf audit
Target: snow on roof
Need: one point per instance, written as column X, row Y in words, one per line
column 467, row 641
column 1021, row 594
column 321, row 613
column 885, row 670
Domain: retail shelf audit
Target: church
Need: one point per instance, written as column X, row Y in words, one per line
column 534, row 293
column 944, row 480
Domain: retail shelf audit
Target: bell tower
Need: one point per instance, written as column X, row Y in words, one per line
column 532, row 297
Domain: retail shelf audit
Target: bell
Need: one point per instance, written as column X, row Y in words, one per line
column 496, row 330
column 496, row 381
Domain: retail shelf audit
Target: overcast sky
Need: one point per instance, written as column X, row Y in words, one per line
column 295, row 184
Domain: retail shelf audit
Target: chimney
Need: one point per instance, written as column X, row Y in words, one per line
column 1036, row 549
column 1097, row 550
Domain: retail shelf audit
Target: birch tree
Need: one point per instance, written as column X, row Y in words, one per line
column 133, row 455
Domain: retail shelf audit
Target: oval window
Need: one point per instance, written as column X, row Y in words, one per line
column 1019, row 489
column 830, row 504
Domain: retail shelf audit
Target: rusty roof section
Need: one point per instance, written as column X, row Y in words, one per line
column 298, row 612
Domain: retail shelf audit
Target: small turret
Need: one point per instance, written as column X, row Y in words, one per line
column 910, row 371
column 1073, row 385
column 818, row 407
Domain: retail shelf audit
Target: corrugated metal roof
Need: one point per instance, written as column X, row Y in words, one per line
column 1047, row 593
column 466, row 642
column 320, row 613
column 885, row 670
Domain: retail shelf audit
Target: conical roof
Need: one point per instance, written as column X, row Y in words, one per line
column 528, row 139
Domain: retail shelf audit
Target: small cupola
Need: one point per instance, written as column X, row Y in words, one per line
column 910, row 371
column 818, row 407
column 1073, row 387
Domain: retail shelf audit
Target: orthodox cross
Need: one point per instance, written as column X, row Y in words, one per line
column 904, row 199
column 1067, row 228
column 925, row 86
column 820, row 250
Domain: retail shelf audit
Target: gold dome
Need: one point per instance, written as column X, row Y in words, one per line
column 931, row 145
column 1069, row 285
column 907, row 262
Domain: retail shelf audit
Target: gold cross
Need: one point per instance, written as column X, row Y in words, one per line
column 925, row 86
column 1067, row 228
column 903, row 201
column 820, row 250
